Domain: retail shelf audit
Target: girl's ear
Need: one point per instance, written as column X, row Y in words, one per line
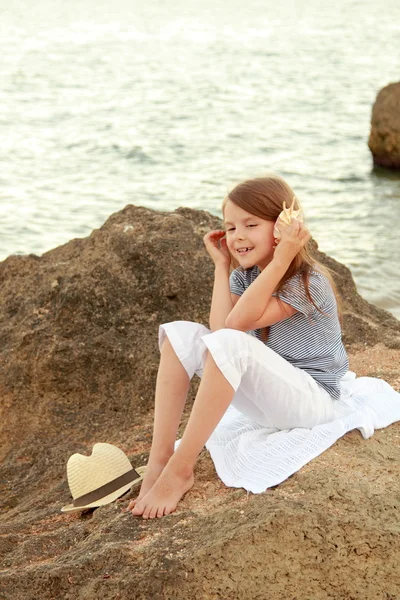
column 276, row 232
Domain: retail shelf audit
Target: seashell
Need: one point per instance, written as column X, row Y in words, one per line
column 286, row 216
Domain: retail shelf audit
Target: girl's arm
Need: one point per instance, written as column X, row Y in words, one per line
column 222, row 300
column 221, row 303
column 256, row 307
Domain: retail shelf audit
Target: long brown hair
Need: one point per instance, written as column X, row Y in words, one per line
column 264, row 198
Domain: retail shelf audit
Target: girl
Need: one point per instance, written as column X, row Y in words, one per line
column 274, row 350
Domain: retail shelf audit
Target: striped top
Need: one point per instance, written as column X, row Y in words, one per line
column 308, row 339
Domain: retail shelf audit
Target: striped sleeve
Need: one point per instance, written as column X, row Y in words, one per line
column 237, row 282
column 294, row 293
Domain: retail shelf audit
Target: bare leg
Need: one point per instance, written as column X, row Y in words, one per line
column 213, row 398
column 171, row 391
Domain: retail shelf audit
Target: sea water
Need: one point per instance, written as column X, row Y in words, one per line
column 166, row 104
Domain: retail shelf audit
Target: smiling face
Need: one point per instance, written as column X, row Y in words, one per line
column 249, row 238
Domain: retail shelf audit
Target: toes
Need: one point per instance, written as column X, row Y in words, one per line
column 138, row 509
column 152, row 512
column 149, row 511
column 134, row 502
column 146, row 513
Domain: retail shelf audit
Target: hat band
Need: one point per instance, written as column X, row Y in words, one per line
column 106, row 489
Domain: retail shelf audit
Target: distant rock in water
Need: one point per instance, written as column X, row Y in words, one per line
column 384, row 139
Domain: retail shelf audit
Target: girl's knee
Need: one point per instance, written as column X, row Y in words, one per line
column 184, row 333
column 185, row 337
column 232, row 336
column 232, row 343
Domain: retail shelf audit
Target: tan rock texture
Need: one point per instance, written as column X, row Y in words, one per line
column 79, row 357
column 384, row 139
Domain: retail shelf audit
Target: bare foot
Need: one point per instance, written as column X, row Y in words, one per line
column 151, row 474
column 165, row 494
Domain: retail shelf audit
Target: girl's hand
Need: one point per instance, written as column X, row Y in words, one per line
column 293, row 238
column 215, row 243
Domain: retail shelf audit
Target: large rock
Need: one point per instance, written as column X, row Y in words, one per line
column 384, row 139
column 79, row 356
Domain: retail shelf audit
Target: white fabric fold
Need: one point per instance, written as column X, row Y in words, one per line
column 250, row 456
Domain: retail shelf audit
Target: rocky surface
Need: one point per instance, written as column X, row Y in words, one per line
column 79, row 357
column 384, row 139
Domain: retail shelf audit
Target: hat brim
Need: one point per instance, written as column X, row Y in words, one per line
column 70, row 508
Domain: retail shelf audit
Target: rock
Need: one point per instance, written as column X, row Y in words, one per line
column 362, row 322
column 79, row 357
column 384, row 139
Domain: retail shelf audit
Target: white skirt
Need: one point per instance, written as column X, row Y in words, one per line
column 268, row 389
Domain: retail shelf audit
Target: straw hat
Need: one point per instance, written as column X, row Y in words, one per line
column 100, row 478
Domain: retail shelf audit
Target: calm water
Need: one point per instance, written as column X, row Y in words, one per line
column 165, row 104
